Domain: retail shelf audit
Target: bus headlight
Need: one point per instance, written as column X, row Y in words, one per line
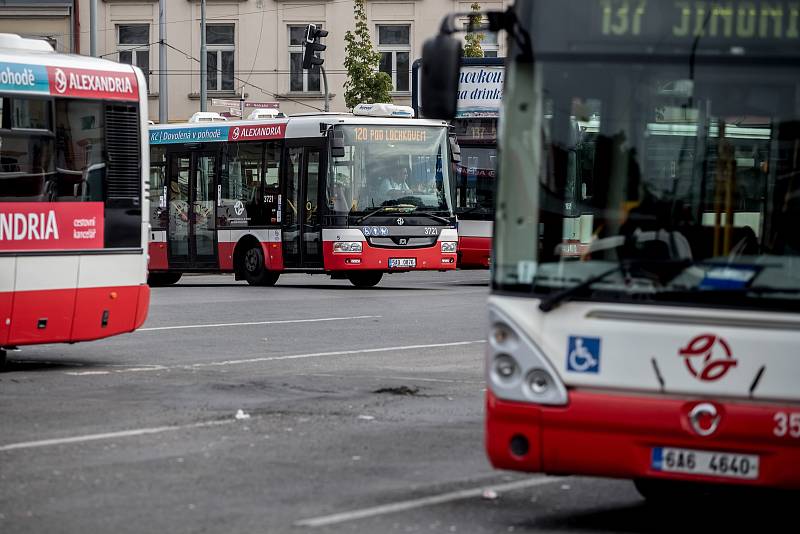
column 349, row 247
column 539, row 382
column 449, row 246
column 505, row 367
column 517, row 368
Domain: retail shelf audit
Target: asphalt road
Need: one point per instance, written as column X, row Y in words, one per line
column 359, row 411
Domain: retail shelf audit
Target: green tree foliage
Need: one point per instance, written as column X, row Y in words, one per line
column 473, row 39
column 364, row 82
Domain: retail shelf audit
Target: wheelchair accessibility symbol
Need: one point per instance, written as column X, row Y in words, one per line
column 583, row 354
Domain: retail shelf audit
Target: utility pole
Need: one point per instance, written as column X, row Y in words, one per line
column 203, row 58
column 163, row 108
column 93, row 28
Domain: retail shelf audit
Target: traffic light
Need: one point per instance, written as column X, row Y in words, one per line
column 312, row 46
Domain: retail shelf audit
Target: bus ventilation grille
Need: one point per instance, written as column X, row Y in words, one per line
column 122, row 145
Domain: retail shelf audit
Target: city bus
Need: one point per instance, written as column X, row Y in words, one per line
column 662, row 347
column 73, row 213
column 475, row 127
column 353, row 196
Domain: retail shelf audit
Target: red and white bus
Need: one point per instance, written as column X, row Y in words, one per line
column 480, row 91
column 664, row 349
column 73, row 214
column 351, row 196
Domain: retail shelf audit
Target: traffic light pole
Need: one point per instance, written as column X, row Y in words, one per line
column 325, row 85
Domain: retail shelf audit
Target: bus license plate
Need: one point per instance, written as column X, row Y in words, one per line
column 395, row 263
column 694, row 462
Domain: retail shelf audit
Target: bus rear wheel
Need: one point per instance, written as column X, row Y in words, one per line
column 255, row 270
column 365, row 278
column 162, row 279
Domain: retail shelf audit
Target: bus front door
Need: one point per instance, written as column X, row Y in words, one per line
column 302, row 227
column 191, row 202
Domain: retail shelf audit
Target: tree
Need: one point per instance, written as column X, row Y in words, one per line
column 473, row 39
column 365, row 83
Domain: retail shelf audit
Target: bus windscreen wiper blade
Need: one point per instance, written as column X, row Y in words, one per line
column 552, row 301
column 439, row 218
column 397, row 207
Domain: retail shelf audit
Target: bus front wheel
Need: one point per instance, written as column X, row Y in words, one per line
column 365, row 278
column 162, row 279
column 255, row 269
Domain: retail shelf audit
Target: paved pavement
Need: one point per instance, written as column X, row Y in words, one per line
column 358, row 411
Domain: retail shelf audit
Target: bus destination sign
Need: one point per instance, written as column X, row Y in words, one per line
column 388, row 134
column 732, row 26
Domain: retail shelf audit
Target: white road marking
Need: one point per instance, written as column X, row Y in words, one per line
column 402, row 506
column 335, row 353
column 277, row 358
column 258, row 323
column 403, row 378
column 109, row 435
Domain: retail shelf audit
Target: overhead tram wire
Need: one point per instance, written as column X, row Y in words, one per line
column 270, row 93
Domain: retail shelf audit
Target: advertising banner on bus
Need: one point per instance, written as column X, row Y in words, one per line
column 51, row 226
column 70, row 82
column 210, row 134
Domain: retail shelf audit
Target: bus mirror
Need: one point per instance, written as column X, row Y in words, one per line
column 455, row 149
column 441, row 63
column 337, row 144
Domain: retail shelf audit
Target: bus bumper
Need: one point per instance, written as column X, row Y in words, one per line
column 372, row 258
column 600, row 434
column 474, row 252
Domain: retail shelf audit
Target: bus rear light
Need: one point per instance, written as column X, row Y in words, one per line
column 448, row 260
column 353, row 261
column 347, row 247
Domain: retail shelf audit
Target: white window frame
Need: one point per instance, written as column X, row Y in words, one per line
column 133, row 48
column 394, row 48
column 295, row 49
column 218, row 49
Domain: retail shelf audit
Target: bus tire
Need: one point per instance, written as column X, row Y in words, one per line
column 163, row 279
column 255, row 269
column 365, row 278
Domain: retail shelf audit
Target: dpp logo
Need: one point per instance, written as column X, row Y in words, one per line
column 238, row 207
column 708, row 357
column 235, row 133
column 61, row 81
column 583, row 354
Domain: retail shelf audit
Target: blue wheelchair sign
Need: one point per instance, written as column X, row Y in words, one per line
column 583, row 354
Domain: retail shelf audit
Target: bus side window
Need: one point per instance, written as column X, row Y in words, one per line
column 240, row 198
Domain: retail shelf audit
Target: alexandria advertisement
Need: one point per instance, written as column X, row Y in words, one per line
column 31, row 226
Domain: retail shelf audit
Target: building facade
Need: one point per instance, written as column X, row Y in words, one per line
column 53, row 20
column 254, row 47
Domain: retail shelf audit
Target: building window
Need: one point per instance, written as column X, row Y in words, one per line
column 220, row 57
column 133, row 46
column 300, row 80
column 394, row 44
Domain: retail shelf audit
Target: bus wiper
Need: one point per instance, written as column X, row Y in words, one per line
column 396, row 207
column 439, row 218
column 554, row 300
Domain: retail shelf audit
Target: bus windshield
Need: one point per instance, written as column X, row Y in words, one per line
column 387, row 166
column 652, row 166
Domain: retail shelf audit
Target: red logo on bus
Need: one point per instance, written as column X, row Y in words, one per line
column 708, row 357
